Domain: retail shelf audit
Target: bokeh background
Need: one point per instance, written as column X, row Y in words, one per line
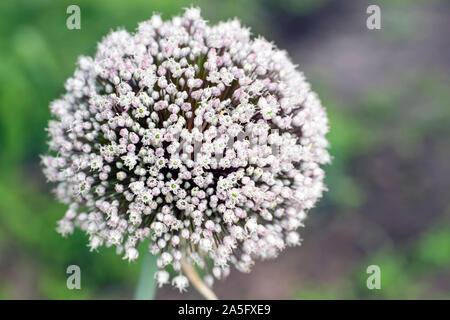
column 387, row 95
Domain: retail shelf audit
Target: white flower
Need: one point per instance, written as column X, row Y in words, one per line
column 197, row 138
column 205, row 244
column 131, row 254
column 130, row 160
column 165, row 259
column 251, row 225
column 180, row 282
column 162, row 277
column 293, row 238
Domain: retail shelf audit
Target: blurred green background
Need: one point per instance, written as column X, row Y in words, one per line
column 387, row 95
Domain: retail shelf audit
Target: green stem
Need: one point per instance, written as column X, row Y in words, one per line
column 147, row 285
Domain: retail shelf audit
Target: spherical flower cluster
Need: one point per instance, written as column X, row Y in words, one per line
column 199, row 138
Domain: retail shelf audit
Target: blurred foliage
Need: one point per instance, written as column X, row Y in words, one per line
column 406, row 273
column 296, row 7
column 37, row 54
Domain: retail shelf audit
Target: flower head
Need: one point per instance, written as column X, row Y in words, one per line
column 198, row 137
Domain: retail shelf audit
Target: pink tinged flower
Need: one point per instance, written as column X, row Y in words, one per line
column 197, row 138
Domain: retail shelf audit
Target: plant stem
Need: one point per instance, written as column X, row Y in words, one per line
column 147, row 285
column 198, row 283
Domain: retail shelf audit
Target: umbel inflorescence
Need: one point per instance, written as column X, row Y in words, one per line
column 199, row 138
